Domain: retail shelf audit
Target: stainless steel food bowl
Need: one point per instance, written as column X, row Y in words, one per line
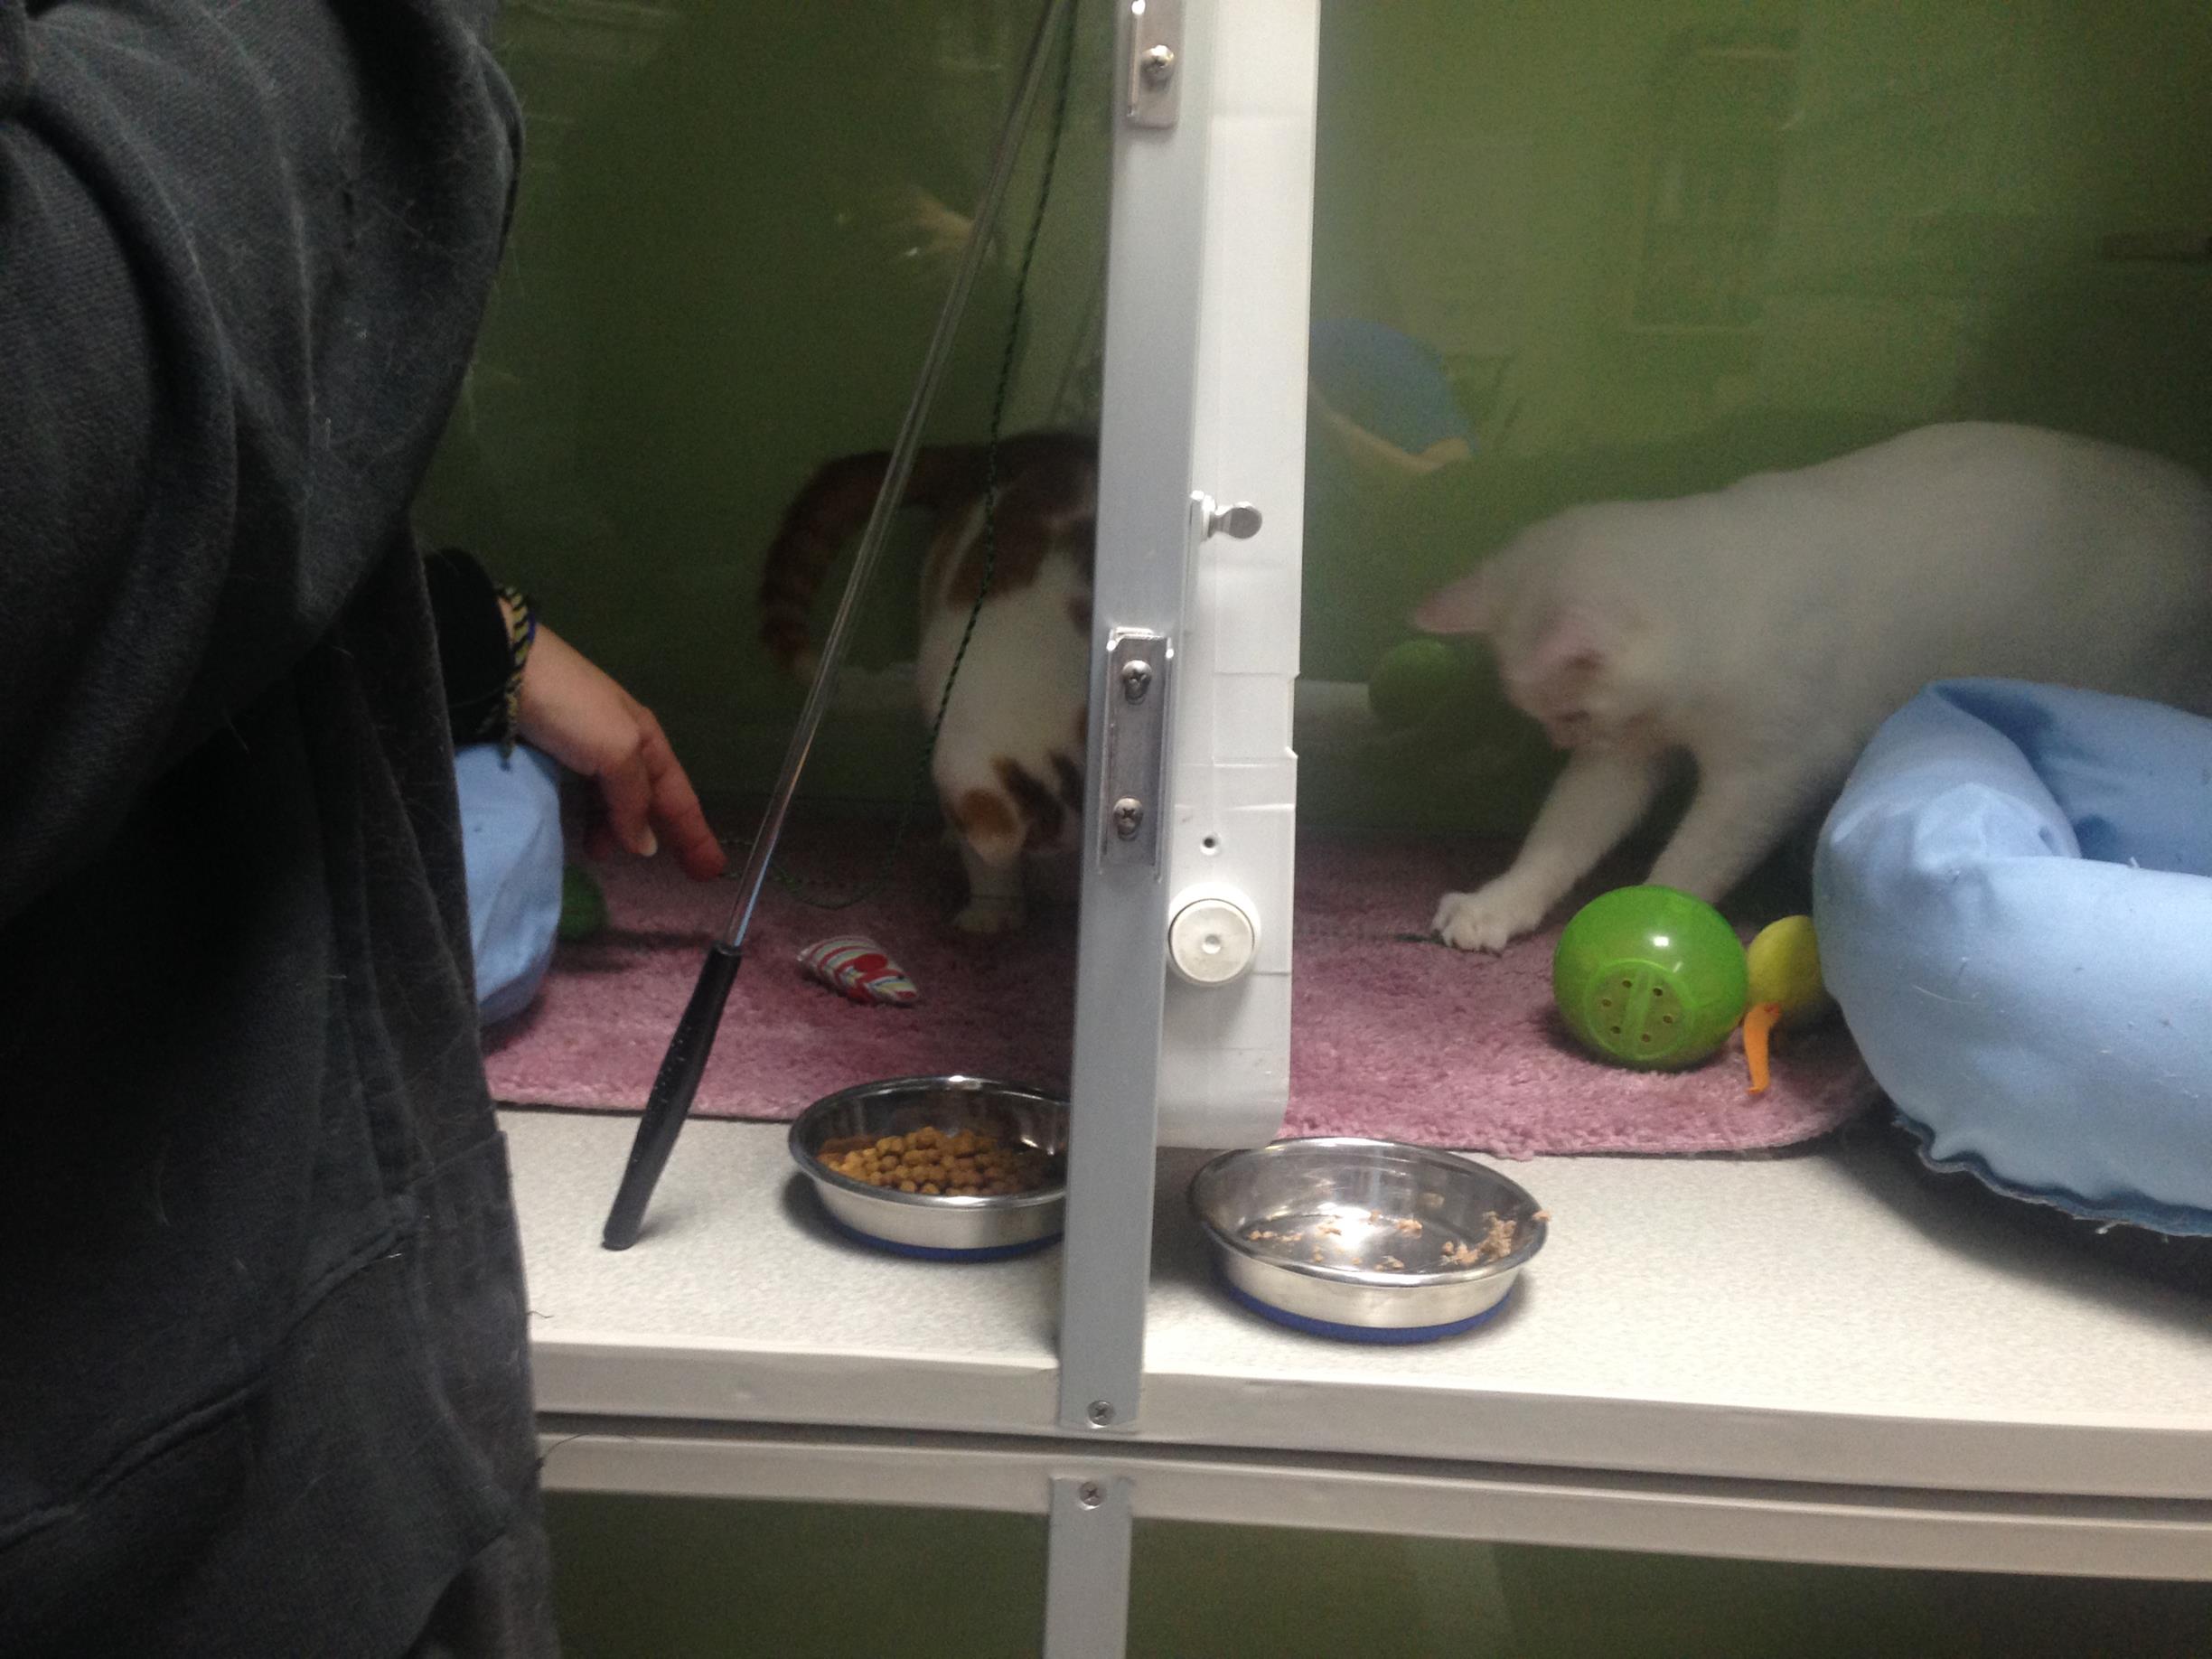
column 943, row 1228
column 1353, row 1238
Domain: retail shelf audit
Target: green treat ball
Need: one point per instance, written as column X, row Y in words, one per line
column 1650, row 977
column 583, row 911
column 1412, row 681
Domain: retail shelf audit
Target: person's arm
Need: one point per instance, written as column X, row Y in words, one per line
column 573, row 711
column 565, row 705
column 243, row 253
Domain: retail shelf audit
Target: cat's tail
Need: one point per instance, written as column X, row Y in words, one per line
column 827, row 514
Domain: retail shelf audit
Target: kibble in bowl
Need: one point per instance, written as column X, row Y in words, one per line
column 936, row 1162
column 952, row 1168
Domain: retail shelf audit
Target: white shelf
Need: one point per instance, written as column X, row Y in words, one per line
column 1832, row 1317
column 738, row 1304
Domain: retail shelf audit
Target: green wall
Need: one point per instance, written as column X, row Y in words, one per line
column 1657, row 243
column 693, row 1579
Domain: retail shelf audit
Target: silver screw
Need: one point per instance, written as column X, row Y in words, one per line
column 1240, row 522
column 1127, row 817
column 1157, row 65
column 1089, row 1495
column 1102, row 1414
column 1136, row 680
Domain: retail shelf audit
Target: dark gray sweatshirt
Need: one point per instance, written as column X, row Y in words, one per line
column 263, row 1382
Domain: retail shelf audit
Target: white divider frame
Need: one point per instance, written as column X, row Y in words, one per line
column 1208, row 256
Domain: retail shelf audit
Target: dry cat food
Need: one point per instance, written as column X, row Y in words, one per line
column 940, row 1163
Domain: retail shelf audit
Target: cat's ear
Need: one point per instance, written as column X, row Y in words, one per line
column 1469, row 606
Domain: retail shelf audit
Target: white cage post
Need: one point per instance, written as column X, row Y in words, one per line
column 1202, row 451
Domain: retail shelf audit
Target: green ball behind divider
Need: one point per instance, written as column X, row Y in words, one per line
column 1650, row 977
column 1412, row 683
column 584, row 909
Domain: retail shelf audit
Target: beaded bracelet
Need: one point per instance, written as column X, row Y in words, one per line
column 521, row 634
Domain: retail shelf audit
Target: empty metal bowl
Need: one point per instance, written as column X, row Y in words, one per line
column 938, row 1227
column 1365, row 1241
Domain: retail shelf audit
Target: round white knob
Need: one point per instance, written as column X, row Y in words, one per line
column 1212, row 942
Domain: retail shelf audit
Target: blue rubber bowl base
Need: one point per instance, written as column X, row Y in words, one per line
column 1397, row 1336
column 930, row 1253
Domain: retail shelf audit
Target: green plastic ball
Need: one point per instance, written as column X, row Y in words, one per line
column 1650, row 977
column 584, row 909
column 1412, row 681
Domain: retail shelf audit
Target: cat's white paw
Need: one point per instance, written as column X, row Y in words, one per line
column 983, row 917
column 1487, row 920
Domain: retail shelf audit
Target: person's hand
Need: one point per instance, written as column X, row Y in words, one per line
column 575, row 712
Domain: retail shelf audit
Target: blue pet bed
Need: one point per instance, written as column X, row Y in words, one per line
column 2014, row 900
column 511, row 838
column 1390, row 389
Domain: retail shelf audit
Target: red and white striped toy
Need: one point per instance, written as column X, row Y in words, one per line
column 859, row 968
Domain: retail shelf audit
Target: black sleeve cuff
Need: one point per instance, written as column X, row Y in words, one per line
column 474, row 657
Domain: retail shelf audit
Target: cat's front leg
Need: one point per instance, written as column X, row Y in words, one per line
column 1596, row 801
column 994, row 895
column 1740, row 814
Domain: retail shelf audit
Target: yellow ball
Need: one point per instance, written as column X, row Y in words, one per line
column 1784, row 966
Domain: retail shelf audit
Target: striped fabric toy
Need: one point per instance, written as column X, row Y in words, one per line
column 858, row 968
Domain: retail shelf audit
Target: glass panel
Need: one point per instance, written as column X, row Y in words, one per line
column 734, row 229
column 1250, row 1593
column 1622, row 252
column 655, row 1578
column 679, row 1578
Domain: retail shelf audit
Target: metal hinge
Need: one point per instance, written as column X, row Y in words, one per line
column 1130, row 782
column 1155, row 68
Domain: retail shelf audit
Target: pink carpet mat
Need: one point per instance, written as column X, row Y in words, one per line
column 1391, row 1037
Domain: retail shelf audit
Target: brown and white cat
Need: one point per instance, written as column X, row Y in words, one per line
column 1009, row 762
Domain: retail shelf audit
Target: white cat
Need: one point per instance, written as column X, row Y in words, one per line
column 1768, row 628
